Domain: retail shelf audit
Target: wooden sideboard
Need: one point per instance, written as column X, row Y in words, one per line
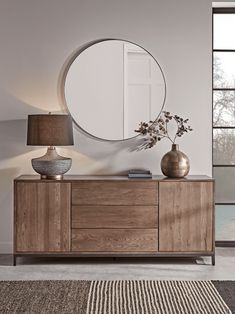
column 114, row 216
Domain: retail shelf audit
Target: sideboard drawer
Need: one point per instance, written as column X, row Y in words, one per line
column 114, row 240
column 115, row 193
column 111, row 216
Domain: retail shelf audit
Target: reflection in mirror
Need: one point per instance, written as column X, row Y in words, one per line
column 111, row 86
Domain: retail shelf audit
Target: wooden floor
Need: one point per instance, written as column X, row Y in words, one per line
column 109, row 269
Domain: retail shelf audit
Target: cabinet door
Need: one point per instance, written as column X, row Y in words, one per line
column 42, row 217
column 186, row 211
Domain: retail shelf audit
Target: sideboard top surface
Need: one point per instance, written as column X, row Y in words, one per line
column 71, row 178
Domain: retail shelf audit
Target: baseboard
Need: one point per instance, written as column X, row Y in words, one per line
column 6, row 247
column 225, row 243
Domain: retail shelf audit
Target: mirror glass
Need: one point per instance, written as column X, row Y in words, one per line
column 111, row 86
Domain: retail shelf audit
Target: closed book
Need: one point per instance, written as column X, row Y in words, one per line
column 139, row 174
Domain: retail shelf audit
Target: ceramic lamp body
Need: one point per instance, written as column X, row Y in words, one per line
column 175, row 164
column 51, row 165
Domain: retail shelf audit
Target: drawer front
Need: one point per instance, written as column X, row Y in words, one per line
column 114, row 240
column 115, row 193
column 114, row 216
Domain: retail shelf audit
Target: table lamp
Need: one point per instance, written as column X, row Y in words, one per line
column 50, row 130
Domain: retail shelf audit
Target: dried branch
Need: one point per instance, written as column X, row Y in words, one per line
column 154, row 131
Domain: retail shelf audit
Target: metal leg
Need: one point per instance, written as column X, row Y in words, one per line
column 213, row 259
column 14, row 260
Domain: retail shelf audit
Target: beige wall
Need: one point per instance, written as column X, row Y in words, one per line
column 37, row 37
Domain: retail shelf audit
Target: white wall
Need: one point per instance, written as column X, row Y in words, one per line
column 37, row 37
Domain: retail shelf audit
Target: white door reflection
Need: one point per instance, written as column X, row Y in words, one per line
column 143, row 88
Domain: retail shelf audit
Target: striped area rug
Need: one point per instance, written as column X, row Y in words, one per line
column 148, row 297
column 116, row 297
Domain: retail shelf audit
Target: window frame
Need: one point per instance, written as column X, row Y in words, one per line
column 227, row 10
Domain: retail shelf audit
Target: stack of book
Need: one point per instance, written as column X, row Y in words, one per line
column 139, row 173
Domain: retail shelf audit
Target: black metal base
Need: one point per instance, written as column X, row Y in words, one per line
column 114, row 256
column 225, row 243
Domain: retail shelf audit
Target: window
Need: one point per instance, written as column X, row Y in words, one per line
column 224, row 121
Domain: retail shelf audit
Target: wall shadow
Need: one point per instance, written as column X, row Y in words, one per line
column 13, row 135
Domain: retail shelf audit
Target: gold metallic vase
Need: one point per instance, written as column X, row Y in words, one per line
column 175, row 164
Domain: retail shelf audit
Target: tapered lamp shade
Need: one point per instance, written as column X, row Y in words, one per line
column 50, row 130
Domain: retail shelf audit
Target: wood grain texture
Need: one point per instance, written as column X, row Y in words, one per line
column 43, row 217
column 114, row 240
column 186, row 216
column 115, row 193
column 114, row 216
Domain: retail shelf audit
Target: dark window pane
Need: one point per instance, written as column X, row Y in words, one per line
column 224, row 146
column 225, row 223
column 224, row 108
column 224, row 70
column 225, row 184
column 224, row 25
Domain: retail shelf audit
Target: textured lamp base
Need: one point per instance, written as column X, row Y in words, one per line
column 51, row 166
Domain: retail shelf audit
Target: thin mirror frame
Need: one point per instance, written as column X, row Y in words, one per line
column 66, row 69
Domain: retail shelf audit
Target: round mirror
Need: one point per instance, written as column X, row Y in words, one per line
column 111, row 86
